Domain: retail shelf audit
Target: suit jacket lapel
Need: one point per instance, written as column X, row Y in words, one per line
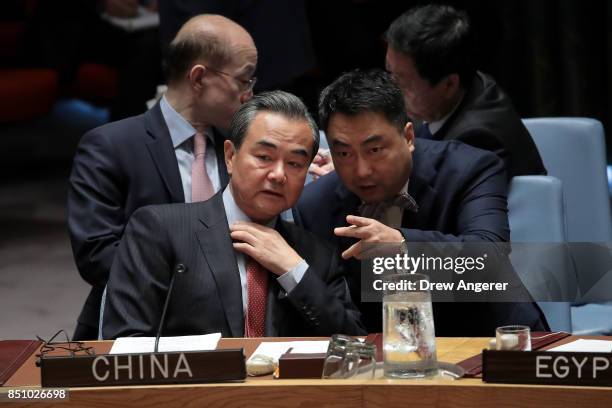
column 346, row 203
column 420, row 188
column 216, row 246
column 276, row 314
column 446, row 131
column 161, row 150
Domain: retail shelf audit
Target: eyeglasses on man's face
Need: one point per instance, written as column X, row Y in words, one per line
column 245, row 84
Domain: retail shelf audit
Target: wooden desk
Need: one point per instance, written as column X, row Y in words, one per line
column 267, row 392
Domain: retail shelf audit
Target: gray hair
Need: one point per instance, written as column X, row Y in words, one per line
column 283, row 103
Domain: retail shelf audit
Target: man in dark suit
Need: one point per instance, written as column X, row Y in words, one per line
column 150, row 159
column 247, row 273
column 393, row 188
column 430, row 55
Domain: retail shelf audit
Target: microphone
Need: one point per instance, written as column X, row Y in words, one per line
column 178, row 269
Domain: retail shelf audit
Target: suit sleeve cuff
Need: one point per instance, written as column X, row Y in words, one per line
column 290, row 279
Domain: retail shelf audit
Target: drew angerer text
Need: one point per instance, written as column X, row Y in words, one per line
column 424, row 284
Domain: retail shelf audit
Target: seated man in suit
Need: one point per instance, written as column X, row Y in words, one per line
column 247, row 273
column 451, row 192
column 152, row 158
column 430, row 55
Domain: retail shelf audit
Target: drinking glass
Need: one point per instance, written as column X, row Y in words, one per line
column 513, row 338
column 348, row 357
column 409, row 340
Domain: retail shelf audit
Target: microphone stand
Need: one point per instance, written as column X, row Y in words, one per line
column 178, row 269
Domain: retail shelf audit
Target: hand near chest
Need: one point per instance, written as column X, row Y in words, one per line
column 265, row 245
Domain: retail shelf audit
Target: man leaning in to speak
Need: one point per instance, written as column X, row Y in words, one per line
column 247, row 272
column 171, row 154
column 390, row 187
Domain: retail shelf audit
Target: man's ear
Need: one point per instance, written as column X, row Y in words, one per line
column 229, row 152
column 196, row 76
column 452, row 83
column 409, row 135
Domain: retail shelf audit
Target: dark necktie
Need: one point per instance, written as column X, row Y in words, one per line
column 424, row 132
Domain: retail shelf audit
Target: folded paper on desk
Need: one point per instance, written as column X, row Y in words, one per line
column 125, row 345
column 585, row 346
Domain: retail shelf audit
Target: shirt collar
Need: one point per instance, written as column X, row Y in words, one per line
column 180, row 129
column 437, row 124
column 378, row 210
column 405, row 188
column 234, row 213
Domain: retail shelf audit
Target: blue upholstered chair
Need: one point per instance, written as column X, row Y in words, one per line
column 573, row 150
column 536, row 214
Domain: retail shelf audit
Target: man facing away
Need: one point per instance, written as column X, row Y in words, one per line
column 390, row 187
column 246, row 272
column 171, row 154
column 430, row 54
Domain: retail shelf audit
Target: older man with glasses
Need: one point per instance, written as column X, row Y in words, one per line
column 171, row 154
column 245, row 84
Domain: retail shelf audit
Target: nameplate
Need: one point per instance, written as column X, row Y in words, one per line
column 541, row 367
column 145, row 368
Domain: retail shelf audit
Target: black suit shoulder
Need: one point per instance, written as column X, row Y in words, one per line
column 119, row 129
column 452, row 167
column 486, row 119
column 183, row 218
column 450, row 156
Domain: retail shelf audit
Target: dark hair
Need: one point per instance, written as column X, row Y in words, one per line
column 185, row 50
column 279, row 102
column 439, row 41
column 362, row 91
